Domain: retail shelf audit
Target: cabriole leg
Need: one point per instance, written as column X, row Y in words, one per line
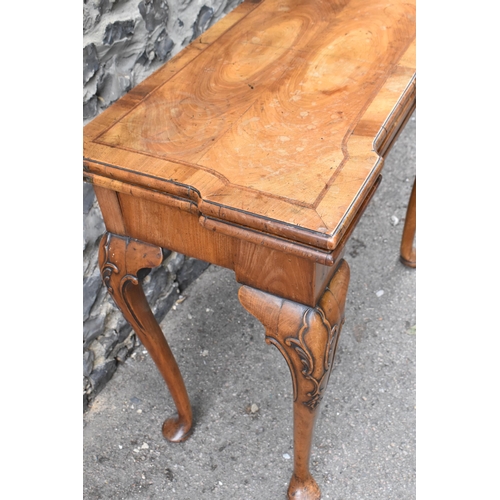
column 120, row 259
column 307, row 338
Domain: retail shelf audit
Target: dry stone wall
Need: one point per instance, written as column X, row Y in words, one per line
column 124, row 41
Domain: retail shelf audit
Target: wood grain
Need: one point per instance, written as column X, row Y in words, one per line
column 275, row 265
column 276, row 122
column 120, row 259
column 257, row 148
column 307, row 338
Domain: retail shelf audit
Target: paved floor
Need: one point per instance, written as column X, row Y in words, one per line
column 364, row 444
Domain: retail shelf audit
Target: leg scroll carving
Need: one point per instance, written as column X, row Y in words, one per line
column 120, row 259
column 307, row 338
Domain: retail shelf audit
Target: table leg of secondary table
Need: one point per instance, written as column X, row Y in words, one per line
column 408, row 252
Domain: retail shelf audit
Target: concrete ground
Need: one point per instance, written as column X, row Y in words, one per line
column 241, row 393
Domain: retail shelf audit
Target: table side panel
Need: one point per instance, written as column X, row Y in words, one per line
column 275, row 271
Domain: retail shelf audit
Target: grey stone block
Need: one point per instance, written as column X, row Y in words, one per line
column 88, row 363
column 115, row 82
column 123, row 349
column 165, row 303
column 91, row 285
column 90, row 62
column 93, row 328
column 191, row 270
column 88, row 197
column 158, row 280
column 123, row 327
column 90, row 108
column 91, row 15
column 163, row 46
column 101, row 375
column 106, row 5
column 108, row 342
column 122, row 354
column 174, row 262
column 93, row 227
column 202, row 21
column 154, row 13
column 118, row 30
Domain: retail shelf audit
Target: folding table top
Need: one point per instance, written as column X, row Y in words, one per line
column 275, row 119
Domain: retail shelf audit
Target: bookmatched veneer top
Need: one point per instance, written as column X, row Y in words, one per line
column 275, row 119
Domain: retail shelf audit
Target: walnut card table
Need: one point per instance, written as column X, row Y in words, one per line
column 257, row 148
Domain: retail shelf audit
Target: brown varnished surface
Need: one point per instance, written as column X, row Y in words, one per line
column 274, row 265
column 120, row 259
column 307, row 338
column 408, row 251
column 272, row 119
column 274, row 270
column 257, row 148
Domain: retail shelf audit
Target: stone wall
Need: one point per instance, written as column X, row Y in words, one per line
column 124, row 41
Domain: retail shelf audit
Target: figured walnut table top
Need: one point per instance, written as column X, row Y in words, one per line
column 275, row 119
